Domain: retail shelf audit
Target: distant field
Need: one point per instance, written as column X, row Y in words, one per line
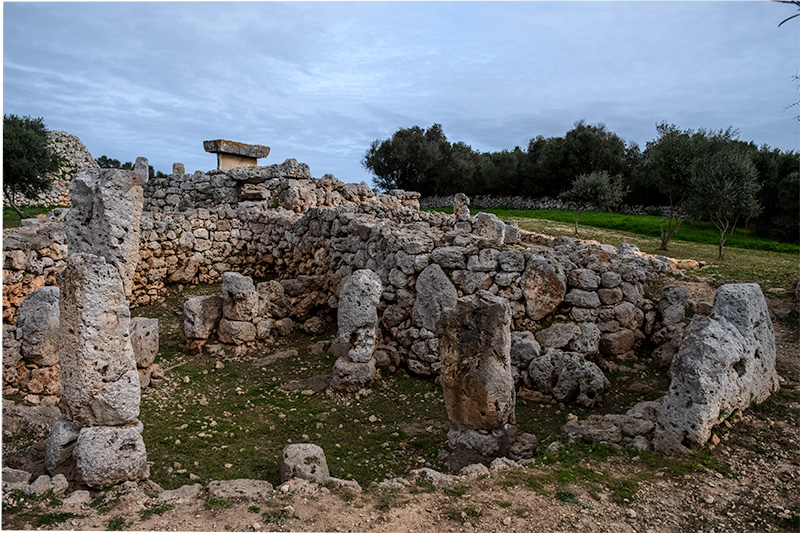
column 749, row 259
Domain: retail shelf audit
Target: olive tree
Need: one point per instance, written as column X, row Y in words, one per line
column 725, row 189
column 596, row 189
column 27, row 158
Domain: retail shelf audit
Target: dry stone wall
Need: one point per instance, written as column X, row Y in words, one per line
column 277, row 222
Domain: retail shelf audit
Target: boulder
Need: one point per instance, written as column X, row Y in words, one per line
column 59, row 446
column 304, row 461
column 239, row 297
column 490, row 229
column 104, row 218
column 435, row 292
column 461, row 207
column 568, row 376
column 38, row 326
column 201, row 315
column 144, row 340
column 618, row 342
column 583, row 278
column 99, row 382
column 597, row 428
column 476, row 362
column 470, row 446
column 348, row 376
column 672, row 305
column 558, row 335
column 726, row 362
column 581, row 298
column 110, row 455
column 543, row 286
column 236, row 331
column 524, row 348
column 588, row 339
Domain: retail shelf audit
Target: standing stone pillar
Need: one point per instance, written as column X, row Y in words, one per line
column 476, row 378
column 98, row 439
column 359, row 295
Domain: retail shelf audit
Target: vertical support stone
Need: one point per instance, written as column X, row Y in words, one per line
column 104, row 218
column 476, row 378
column 359, row 295
column 142, row 167
column 98, row 441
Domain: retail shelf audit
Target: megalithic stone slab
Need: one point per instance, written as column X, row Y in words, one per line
column 476, row 367
column 104, row 218
column 359, row 295
column 99, row 382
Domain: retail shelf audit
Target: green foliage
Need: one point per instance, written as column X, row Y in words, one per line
column 725, row 189
column 255, row 509
column 27, row 157
column 276, row 517
column 596, row 189
column 217, row 503
column 51, row 519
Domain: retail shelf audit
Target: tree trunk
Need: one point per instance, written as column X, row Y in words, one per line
column 577, row 218
column 13, row 205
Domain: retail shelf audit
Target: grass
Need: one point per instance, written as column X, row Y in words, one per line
column 159, row 510
column 747, row 258
column 118, row 523
column 52, row 519
column 11, row 218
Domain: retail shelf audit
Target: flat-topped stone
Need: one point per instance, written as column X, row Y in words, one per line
column 232, row 154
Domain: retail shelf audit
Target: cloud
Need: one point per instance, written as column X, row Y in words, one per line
column 320, row 81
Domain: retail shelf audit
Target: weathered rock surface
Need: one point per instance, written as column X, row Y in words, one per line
column 104, row 218
column 239, row 297
column 110, row 455
column 672, row 306
column 304, row 461
column 201, row 315
column 144, row 340
column 568, row 376
column 543, row 286
column 435, row 292
column 99, row 382
column 58, row 449
column 476, row 362
column 35, row 420
column 726, row 362
column 37, row 326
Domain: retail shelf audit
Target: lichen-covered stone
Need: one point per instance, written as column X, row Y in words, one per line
column 543, row 286
column 38, row 326
column 109, row 455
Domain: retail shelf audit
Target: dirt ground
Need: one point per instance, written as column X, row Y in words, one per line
column 757, row 490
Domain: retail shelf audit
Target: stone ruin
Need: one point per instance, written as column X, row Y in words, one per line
column 489, row 308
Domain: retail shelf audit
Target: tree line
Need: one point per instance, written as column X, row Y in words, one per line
column 700, row 173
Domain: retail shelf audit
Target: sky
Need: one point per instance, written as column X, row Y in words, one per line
column 319, row 81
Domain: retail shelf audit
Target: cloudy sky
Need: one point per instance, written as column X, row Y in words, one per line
column 320, row 81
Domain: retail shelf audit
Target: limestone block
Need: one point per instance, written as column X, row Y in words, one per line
column 201, row 315
column 581, row 298
column 59, row 446
column 610, row 296
column 511, row 261
column 236, row 331
column 110, row 455
column 45, row 380
column 304, row 461
column 11, row 356
column 99, row 383
column 461, row 207
column 597, row 428
column 435, row 293
column 628, row 315
column 239, row 297
column 588, row 340
column 348, row 376
column 38, row 326
column 726, row 362
column 618, row 342
column 489, row 228
column 450, row 257
column 543, row 287
column 484, row 261
column 104, row 218
column 568, row 376
column 672, row 305
column 524, row 349
column 610, row 279
column 359, row 295
column 584, row 279
column 476, row 362
column 144, row 340
column 558, row 335
column 471, row 446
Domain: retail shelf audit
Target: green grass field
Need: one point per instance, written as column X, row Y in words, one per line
column 11, row 218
